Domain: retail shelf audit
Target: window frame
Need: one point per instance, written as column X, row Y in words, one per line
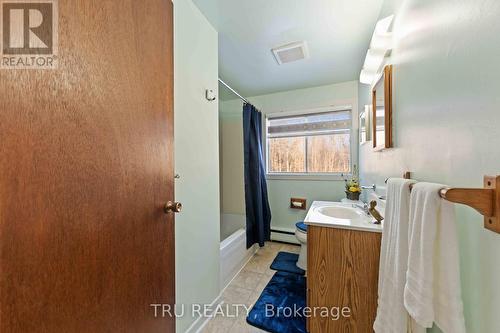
column 307, row 175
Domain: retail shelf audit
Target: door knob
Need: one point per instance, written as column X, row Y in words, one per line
column 173, row 207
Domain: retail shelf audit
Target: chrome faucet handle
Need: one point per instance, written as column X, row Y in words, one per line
column 364, row 207
column 371, row 187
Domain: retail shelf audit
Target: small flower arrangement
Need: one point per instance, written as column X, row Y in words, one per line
column 352, row 188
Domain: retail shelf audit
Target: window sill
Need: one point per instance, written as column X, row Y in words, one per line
column 308, row 177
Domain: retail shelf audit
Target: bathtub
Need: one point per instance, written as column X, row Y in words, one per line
column 233, row 256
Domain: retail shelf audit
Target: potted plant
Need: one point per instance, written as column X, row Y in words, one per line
column 352, row 188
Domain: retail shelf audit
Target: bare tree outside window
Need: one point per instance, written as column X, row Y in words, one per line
column 312, row 143
column 287, row 155
column 329, row 153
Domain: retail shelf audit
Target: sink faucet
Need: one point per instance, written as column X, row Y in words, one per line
column 363, row 207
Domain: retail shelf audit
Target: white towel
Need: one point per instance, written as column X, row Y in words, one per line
column 392, row 316
column 433, row 292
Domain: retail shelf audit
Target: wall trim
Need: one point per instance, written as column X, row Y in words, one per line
column 199, row 324
column 255, row 248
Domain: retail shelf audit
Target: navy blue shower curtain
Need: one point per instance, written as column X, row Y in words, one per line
column 256, row 199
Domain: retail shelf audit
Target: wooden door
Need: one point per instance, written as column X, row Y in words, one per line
column 86, row 166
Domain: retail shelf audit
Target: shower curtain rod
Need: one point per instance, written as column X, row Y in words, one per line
column 234, row 91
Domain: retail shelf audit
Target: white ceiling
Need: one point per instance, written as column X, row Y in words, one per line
column 338, row 34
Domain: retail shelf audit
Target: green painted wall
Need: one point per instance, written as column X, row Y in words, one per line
column 196, row 160
column 446, row 125
column 280, row 191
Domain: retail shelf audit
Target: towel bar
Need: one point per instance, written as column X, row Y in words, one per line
column 484, row 200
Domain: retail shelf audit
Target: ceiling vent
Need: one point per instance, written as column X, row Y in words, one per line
column 291, row 52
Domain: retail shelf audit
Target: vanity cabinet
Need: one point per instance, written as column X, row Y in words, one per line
column 342, row 273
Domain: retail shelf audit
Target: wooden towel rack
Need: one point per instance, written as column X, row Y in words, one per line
column 485, row 200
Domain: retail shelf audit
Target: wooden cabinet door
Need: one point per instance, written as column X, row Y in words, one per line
column 86, row 166
column 343, row 272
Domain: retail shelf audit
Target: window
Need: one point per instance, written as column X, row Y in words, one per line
column 311, row 144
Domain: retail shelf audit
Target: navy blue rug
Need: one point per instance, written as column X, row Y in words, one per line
column 279, row 308
column 287, row 262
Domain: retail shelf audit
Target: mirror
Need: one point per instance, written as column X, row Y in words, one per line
column 364, row 125
column 382, row 110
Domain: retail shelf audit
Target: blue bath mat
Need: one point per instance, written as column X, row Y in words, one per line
column 287, row 262
column 274, row 311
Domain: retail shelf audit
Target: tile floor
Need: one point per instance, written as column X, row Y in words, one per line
column 246, row 289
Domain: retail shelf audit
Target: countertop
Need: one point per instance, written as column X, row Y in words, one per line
column 362, row 223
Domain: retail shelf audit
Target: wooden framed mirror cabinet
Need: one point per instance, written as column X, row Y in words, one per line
column 382, row 110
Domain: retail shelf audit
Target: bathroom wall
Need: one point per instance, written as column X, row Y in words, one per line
column 280, row 191
column 196, row 160
column 231, row 142
column 446, row 125
column 231, row 167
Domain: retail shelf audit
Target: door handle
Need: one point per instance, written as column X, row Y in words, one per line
column 173, row 207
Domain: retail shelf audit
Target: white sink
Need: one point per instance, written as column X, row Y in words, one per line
column 340, row 215
column 343, row 213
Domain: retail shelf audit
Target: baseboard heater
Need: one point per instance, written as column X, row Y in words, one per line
column 283, row 236
column 283, row 232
